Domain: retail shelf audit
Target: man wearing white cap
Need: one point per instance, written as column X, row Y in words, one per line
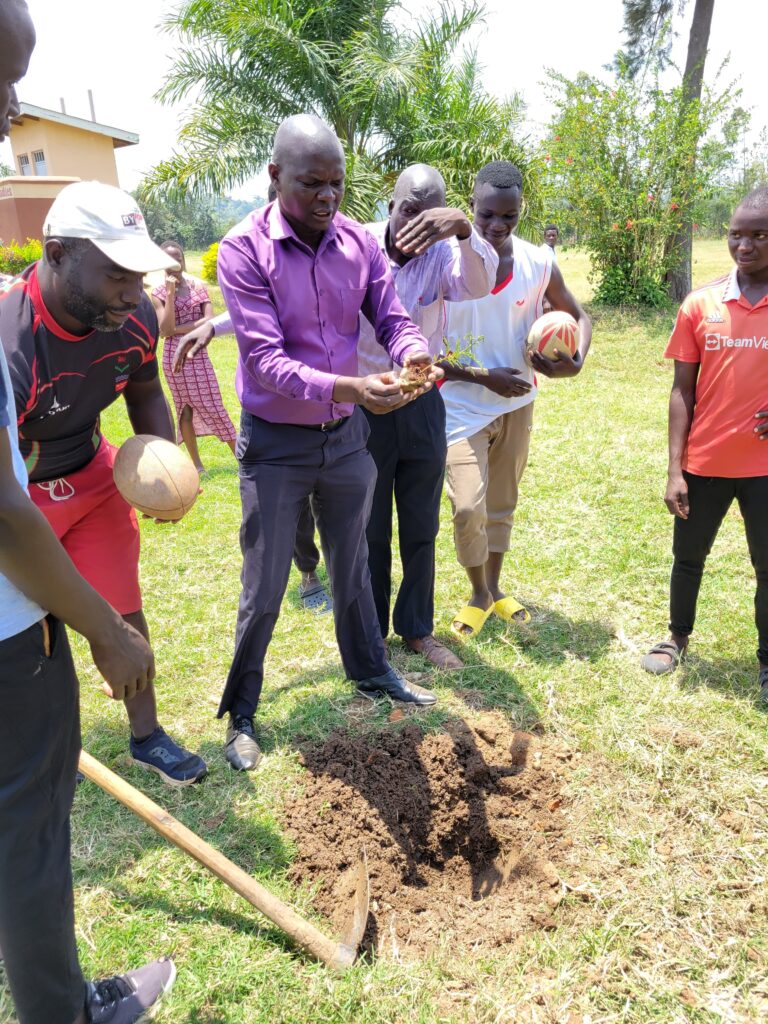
column 78, row 331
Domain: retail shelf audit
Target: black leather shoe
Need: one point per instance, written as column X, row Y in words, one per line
column 396, row 686
column 241, row 747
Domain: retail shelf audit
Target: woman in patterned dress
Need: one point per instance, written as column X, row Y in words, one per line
column 182, row 304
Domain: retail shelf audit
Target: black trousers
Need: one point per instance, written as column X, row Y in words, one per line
column 305, row 553
column 710, row 498
column 281, row 465
column 408, row 447
column 39, row 748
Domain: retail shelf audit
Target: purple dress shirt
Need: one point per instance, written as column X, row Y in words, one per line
column 295, row 313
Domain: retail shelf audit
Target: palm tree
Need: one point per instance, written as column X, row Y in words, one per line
column 394, row 94
column 643, row 26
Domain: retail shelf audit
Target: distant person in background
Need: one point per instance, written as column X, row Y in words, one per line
column 551, row 238
column 182, row 303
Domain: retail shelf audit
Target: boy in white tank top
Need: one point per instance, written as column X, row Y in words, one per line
column 489, row 400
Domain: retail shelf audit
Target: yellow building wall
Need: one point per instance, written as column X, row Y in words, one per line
column 69, row 152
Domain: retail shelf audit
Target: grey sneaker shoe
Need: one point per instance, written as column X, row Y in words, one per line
column 129, row 998
column 175, row 765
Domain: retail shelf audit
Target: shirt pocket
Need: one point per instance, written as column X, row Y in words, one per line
column 351, row 302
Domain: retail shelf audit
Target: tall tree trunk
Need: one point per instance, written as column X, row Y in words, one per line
column 679, row 277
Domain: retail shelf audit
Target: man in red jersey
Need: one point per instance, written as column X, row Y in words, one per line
column 78, row 331
column 718, row 425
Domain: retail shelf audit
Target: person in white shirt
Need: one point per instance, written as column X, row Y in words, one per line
column 489, row 398
column 551, row 238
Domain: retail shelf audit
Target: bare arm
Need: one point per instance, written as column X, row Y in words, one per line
column 471, row 271
column 199, row 338
column 166, row 314
column 502, row 380
column 34, row 561
column 148, row 410
column 682, row 402
column 183, row 329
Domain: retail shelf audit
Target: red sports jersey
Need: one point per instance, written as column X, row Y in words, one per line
column 719, row 329
column 62, row 382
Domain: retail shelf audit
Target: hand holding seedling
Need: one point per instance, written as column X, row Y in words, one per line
column 419, row 374
column 381, row 393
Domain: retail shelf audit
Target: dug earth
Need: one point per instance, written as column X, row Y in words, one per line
column 465, row 831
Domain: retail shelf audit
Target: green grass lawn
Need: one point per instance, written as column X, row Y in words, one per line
column 666, row 916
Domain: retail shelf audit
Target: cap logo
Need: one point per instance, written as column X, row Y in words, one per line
column 132, row 220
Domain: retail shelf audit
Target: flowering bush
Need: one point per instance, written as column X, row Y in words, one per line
column 617, row 152
column 14, row 257
column 208, row 263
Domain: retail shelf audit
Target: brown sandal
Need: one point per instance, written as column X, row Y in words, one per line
column 655, row 661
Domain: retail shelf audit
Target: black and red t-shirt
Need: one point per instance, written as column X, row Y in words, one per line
column 61, row 381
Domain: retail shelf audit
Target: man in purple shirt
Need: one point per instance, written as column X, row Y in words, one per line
column 295, row 276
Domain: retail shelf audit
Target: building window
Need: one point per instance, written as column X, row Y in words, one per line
column 24, row 164
column 40, row 165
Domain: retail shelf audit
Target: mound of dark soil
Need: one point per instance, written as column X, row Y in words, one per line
column 463, row 830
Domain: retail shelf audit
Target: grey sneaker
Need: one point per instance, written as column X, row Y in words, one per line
column 129, row 998
column 175, row 765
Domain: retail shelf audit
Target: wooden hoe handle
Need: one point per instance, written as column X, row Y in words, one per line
column 304, row 934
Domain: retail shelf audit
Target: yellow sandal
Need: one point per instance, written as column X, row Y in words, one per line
column 509, row 610
column 470, row 616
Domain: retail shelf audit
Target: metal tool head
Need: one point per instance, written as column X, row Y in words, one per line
column 357, row 920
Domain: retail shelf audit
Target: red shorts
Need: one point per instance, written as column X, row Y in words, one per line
column 97, row 528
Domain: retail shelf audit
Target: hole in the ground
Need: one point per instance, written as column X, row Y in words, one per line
column 463, row 830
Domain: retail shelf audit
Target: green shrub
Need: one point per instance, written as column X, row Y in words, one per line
column 14, row 257
column 625, row 157
column 208, row 262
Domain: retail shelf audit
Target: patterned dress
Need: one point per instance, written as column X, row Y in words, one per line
column 196, row 385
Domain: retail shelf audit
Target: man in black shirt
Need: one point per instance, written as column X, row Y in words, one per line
column 78, row 331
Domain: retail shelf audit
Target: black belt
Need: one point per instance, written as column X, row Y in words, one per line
column 328, row 425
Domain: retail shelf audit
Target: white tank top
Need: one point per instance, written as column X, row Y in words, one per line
column 503, row 320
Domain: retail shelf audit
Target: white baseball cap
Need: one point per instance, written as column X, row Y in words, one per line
column 112, row 220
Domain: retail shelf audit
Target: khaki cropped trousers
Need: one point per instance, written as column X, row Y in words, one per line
column 483, row 474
